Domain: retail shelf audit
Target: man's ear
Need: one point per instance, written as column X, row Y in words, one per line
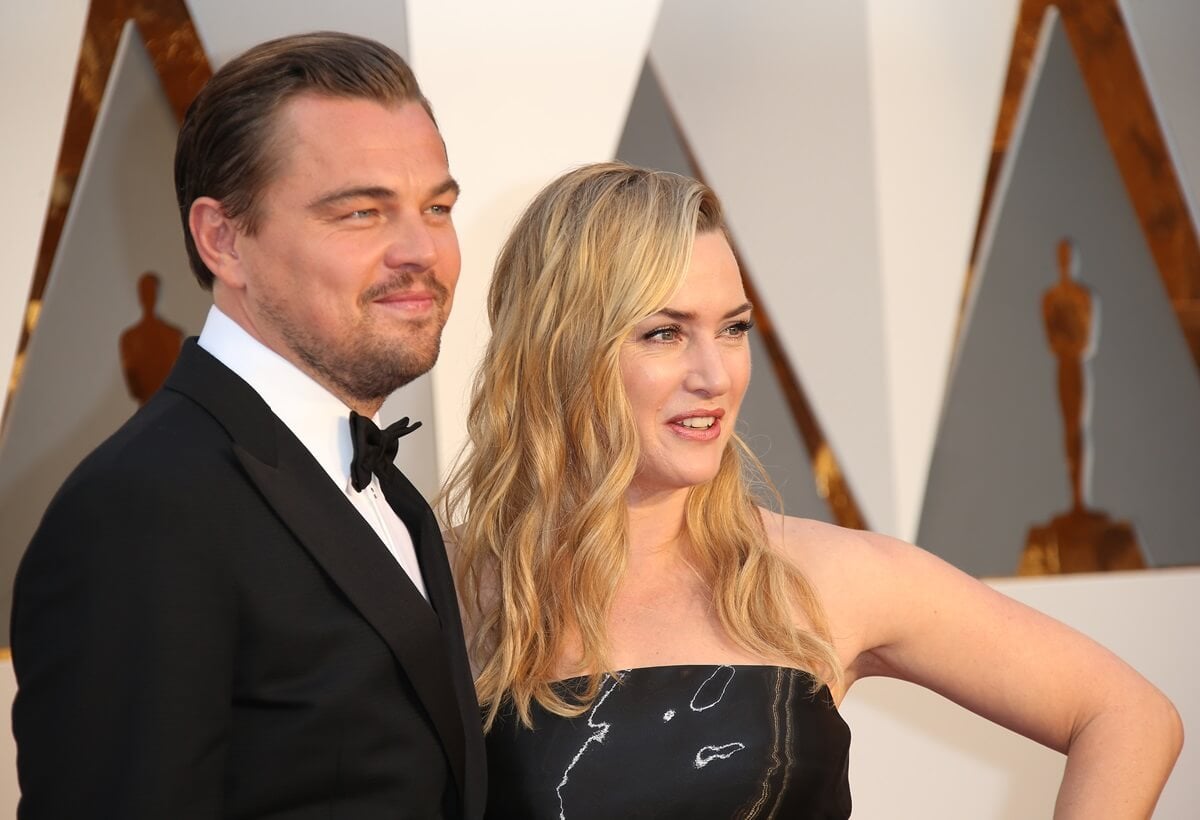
column 216, row 235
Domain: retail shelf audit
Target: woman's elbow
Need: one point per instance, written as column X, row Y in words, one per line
column 1161, row 725
column 1173, row 726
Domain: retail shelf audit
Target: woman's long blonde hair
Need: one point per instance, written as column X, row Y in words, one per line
column 539, row 494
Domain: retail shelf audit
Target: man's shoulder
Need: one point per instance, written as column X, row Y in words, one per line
column 172, row 455
column 169, row 437
column 150, row 491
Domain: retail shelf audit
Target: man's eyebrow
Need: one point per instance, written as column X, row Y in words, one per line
column 687, row 315
column 355, row 192
column 450, row 185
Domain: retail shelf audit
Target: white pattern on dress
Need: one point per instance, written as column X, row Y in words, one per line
column 707, row 754
column 731, row 672
column 597, row 736
column 710, row 753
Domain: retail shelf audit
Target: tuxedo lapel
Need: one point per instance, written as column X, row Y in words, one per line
column 418, row 518
column 351, row 553
column 325, row 522
column 412, row 508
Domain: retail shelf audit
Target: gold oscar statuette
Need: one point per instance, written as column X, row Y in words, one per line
column 1081, row 539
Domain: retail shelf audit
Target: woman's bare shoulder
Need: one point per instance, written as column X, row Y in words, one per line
column 852, row 572
column 826, row 551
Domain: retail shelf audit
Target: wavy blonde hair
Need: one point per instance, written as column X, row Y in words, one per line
column 539, row 494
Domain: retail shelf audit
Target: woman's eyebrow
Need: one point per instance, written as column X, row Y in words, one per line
column 687, row 315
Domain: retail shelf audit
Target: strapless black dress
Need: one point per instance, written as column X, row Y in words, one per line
column 693, row 742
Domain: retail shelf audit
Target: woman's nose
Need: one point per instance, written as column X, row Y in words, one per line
column 708, row 374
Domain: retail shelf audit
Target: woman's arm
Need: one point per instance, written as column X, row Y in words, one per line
column 914, row 617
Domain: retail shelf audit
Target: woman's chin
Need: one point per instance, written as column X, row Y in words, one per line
column 664, row 483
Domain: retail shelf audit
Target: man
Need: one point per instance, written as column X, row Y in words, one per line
column 222, row 614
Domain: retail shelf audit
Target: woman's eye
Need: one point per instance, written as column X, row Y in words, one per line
column 738, row 329
column 662, row 334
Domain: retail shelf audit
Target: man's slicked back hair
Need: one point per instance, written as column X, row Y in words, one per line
column 225, row 147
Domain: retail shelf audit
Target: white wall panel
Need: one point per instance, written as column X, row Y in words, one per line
column 937, row 73
column 522, row 91
column 915, row 754
column 38, row 52
column 774, row 99
column 9, row 792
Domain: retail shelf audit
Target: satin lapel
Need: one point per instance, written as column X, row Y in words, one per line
column 431, row 553
column 336, row 536
column 414, row 511
column 351, row 553
column 228, row 399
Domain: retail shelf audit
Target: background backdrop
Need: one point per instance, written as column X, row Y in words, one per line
column 850, row 143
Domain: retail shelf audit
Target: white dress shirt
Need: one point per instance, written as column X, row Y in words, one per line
column 315, row 416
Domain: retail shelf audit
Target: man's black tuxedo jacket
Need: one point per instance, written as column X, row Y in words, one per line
column 204, row 626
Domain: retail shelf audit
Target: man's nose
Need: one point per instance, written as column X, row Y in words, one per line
column 412, row 245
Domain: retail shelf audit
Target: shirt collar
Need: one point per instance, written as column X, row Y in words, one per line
column 314, row 415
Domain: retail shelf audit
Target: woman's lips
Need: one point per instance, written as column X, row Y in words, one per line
column 697, row 425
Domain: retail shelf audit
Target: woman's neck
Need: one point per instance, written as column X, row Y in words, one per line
column 655, row 522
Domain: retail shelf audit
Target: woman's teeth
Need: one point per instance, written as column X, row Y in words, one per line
column 699, row 422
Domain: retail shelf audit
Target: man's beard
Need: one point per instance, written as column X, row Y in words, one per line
column 366, row 367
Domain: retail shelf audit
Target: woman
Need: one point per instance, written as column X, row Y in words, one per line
column 648, row 640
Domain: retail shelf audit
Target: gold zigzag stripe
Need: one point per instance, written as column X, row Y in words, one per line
column 1100, row 40
column 182, row 67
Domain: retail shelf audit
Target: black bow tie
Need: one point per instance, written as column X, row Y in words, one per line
column 374, row 449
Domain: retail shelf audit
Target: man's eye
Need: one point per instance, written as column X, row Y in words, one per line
column 362, row 213
column 441, row 210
